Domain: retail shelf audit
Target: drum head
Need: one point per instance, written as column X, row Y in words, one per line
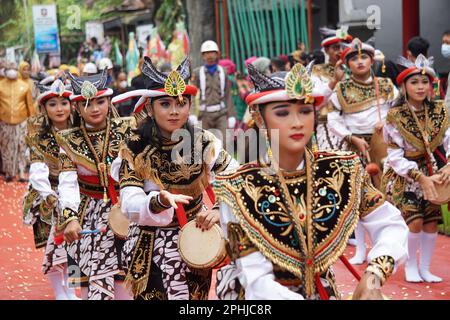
column 201, row 249
column 118, row 222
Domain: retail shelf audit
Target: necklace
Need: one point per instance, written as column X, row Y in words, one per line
column 102, row 168
column 305, row 237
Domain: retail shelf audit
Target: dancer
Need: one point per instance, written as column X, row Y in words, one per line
column 39, row 206
column 360, row 105
column 330, row 74
column 87, row 192
column 415, row 127
column 288, row 216
column 153, row 183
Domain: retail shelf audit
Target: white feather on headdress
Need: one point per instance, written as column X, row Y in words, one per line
column 421, row 63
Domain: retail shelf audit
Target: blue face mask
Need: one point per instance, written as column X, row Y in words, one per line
column 211, row 68
column 445, row 50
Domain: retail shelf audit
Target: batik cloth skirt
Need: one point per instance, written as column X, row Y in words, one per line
column 43, row 222
column 94, row 260
column 407, row 195
column 155, row 269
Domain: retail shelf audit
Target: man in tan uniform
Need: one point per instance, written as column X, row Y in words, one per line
column 16, row 105
column 216, row 109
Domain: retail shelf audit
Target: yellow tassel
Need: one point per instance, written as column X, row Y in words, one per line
column 309, row 281
column 105, row 195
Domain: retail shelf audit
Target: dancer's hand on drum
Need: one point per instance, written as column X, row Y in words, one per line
column 428, row 187
column 368, row 288
column 170, row 199
column 206, row 219
column 361, row 144
column 72, row 231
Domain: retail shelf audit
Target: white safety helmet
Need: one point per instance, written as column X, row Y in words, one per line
column 90, row 68
column 209, row 45
column 104, row 63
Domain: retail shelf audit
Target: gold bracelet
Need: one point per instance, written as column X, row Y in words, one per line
column 415, row 174
column 382, row 266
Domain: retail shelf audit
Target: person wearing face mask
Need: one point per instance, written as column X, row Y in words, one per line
column 16, row 106
column 124, row 108
column 445, row 50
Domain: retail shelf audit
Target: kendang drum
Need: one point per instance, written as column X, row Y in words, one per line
column 118, row 222
column 201, row 249
column 443, row 194
column 378, row 154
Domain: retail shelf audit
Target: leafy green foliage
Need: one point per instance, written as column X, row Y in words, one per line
column 168, row 14
column 13, row 18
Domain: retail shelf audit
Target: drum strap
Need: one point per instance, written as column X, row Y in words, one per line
column 181, row 213
column 377, row 94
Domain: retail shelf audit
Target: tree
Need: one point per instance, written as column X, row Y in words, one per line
column 201, row 26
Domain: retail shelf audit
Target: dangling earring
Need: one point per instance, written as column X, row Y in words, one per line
column 46, row 121
column 154, row 132
column 314, row 145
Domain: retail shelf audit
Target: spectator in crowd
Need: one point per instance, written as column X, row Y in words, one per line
column 25, row 75
column 277, row 64
column 121, row 86
column 2, row 68
column 216, row 109
column 16, row 106
column 89, row 69
column 105, row 63
column 445, row 50
column 416, row 46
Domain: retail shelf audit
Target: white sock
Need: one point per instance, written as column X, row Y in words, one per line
column 427, row 244
column 70, row 292
column 120, row 292
column 55, row 278
column 411, row 271
column 360, row 254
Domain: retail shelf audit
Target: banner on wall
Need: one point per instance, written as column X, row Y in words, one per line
column 45, row 23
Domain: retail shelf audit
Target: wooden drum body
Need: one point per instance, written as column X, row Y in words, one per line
column 378, row 154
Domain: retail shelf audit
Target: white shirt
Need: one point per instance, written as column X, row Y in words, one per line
column 396, row 156
column 363, row 122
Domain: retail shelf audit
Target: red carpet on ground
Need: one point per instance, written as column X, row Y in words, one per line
column 21, row 277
